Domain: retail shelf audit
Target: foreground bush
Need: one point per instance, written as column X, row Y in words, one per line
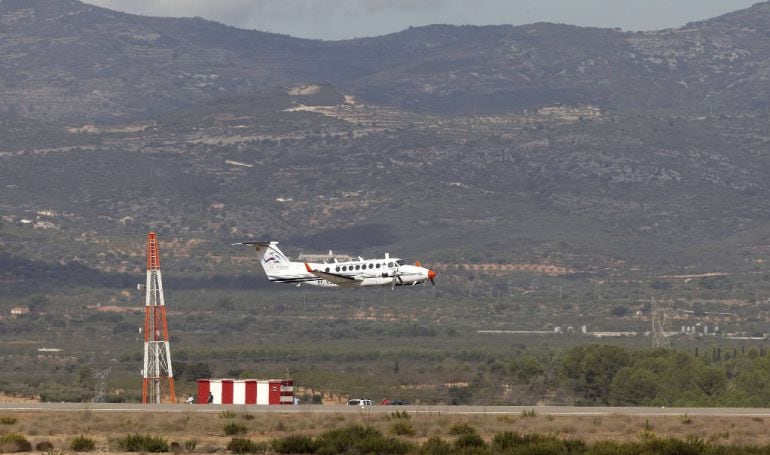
column 436, row 446
column 469, row 441
column 461, row 429
column 14, row 442
column 359, row 439
column 509, row 441
column 82, row 444
column 143, row 443
column 295, row 444
column 241, row 445
column 232, row 429
column 402, row 427
column 353, row 439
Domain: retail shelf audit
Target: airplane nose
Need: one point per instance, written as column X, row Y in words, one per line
column 431, row 275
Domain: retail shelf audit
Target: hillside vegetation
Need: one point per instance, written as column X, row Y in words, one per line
column 554, row 176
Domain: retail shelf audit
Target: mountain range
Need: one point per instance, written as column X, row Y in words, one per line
column 596, row 150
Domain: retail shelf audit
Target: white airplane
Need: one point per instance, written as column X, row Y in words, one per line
column 350, row 274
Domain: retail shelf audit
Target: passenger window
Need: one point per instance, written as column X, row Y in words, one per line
column 371, row 265
column 344, row 268
column 358, row 267
column 337, row 269
column 378, row 265
column 390, row 264
column 327, row 269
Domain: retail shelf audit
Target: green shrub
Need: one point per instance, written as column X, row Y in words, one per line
column 295, row 444
column 227, row 415
column 358, row 439
column 509, row 440
column 506, row 440
column 614, row 448
column 232, row 429
column 535, row 443
column 241, row 445
column 671, row 446
column 574, row 445
column 436, row 446
column 461, row 428
column 8, row 420
column 402, row 428
column 14, row 442
column 190, row 445
column 143, row 443
column 469, row 440
column 82, row 444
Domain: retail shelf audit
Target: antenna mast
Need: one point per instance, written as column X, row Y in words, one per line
column 157, row 351
column 660, row 314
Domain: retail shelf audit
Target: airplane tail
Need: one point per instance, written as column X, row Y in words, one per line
column 276, row 265
column 272, row 256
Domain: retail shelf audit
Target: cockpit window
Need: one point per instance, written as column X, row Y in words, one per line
column 400, row 262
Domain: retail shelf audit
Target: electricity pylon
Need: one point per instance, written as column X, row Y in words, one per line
column 660, row 313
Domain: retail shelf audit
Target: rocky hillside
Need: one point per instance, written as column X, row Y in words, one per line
column 63, row 60
column 540, row 147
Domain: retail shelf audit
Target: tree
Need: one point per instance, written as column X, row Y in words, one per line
column 526, row 368
column 38, row 303
column 589, row 370
column 192, row 371
column 633, row 386
column 620, row 311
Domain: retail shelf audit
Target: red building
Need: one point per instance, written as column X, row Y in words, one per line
column 246, row 391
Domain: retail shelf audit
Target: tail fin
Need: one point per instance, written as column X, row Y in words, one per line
column 272, row 255
column 273, row 261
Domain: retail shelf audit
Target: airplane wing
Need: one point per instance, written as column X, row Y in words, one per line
column 342, row 281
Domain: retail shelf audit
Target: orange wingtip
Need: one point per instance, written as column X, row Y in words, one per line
column 307, row 266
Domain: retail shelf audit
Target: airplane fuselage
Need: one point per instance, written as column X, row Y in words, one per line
column 374, row 272
column 357, row 273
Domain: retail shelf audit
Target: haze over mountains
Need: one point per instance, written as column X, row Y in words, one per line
column 590, row 149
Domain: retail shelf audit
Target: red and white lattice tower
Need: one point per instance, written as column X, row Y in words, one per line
column 157, row 350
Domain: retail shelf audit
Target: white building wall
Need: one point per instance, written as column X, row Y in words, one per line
column 239, row 392
column 263, row 392
column 215, row 387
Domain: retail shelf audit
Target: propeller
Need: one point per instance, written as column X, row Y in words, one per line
column 431, row 273
column 396, row 276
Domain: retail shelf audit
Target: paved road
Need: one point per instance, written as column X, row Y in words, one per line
column 437, row 410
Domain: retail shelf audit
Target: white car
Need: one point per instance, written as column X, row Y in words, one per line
column 359, row 402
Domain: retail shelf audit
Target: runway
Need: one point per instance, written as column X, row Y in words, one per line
column 342, row 409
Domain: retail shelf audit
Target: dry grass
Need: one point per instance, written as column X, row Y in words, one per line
column 207, row 429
